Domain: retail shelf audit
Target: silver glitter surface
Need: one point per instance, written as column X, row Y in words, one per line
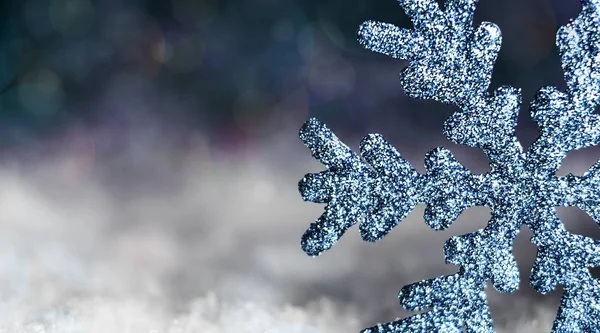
column 451, row 62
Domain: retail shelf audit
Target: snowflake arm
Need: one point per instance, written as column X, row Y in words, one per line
column 459, row 300
column 566, row 119
column 579, row 309
column 567, row 123
column 455, row 301
column 451, row 62
column 564, row 258
column 382, row 187
column 444, row 50
column 347, row 186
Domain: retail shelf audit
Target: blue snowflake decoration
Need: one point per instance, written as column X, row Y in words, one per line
column 451, row 62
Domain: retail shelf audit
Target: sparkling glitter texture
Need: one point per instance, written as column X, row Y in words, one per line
column 452, row 62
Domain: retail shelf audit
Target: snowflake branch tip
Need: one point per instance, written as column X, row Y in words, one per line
column 394, row 186
column 325, row 146
column 566, row 119
column 487, row 254
column 579, row 46
column 490, row 125
column 559, row 251
column 579, row 307
column 449, row 60
column 388, row 39
column 380, row 188
column 455, row 301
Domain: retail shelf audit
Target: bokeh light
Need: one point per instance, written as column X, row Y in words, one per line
column 184, row 55
column 71, row 17
column 41, row 92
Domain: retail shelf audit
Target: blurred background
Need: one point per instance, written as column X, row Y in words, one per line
column 149, row 163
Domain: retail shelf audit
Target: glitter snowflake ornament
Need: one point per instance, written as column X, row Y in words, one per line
column 450, row 61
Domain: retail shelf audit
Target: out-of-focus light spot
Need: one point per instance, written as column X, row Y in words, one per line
column 136, row 39
column 185, row 55
column 123, row 29
column 306, row 42
column 103, row 51
column 153, row 48
column 283, row 31
column 41, row 93
column 194, row 12
column 76, row 60
column 71, row 17
column 158, row 51
column 35, row 15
